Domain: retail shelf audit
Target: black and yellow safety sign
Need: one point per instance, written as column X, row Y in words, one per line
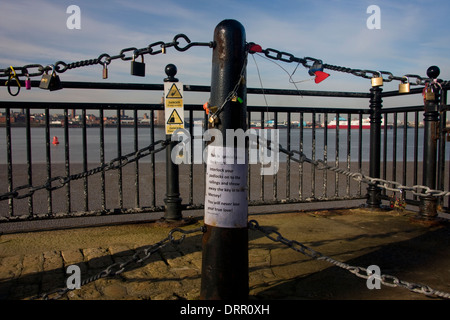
column 173, row 92
column 174, row 107
column 174, row 118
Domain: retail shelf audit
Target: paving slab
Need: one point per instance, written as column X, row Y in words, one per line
column 35, row 263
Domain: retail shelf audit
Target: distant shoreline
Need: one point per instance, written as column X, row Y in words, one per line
column 39, row 125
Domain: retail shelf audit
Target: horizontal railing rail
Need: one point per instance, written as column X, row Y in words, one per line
column 31, row 160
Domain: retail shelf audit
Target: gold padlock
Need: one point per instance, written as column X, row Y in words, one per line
column 429, row 94
column 404, row 87
column 377, row 81
column 213, row 120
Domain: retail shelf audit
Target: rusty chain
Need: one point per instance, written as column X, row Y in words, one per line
column 387, row 280
column 114, row 164
column 120, row 267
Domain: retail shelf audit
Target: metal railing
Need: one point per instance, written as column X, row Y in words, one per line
column 98, row 141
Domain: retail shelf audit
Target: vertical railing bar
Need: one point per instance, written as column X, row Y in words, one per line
column 325, row 154
column 394, row 151
column 442, row 147
column 191, row 160
column 249, row 125
column 385, row 134
column 136, row 163
column 313, row 156
column 360, row 151
column 85, row 164
column 444, row 143
column 416, row 149
column 275, row 176
column 349, row 148
column 288, row 160
column 9, row 160
column 300, row 166
column 152, row 157
column 48, row 160
column 67, row 159
column 29, row 159
column 102, row 160
column 441, row 155
column 405, row 147
column 336, row 175
column 262, row 176
column 119, row 155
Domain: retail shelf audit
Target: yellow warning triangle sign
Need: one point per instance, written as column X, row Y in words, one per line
column 174, row 118
column 174, row 93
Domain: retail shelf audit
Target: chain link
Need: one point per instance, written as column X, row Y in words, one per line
column 360, row 272
column 367, row 74
column 60, row 181
column 105, row 59
column 417, row 190
column 120, row 267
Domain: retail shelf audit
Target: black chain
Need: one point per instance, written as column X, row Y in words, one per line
column 360, row 272
column 120, row 267
column 35, row 70
column 308, row 62
column 114, row 164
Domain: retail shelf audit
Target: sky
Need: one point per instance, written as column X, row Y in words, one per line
column 412, row 36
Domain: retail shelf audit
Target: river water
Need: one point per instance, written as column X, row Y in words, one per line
column 38, row 144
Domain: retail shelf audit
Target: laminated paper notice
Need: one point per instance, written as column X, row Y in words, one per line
column 226, row 203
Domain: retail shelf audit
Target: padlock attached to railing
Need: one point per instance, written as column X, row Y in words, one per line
column 404, row 87
column 137, row 68
column 50, row 81
column 377, row 81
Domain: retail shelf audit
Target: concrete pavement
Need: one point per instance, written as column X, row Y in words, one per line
column 36, row 262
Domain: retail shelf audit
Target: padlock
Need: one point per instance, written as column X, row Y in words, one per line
column 45, row 81
column 317, row 66
column 138, row 68
column 404, row 87
column 50, row 81
column 105, row 71
column 377, row 81
column 213, row 120
column 28, row 83
column 429, row 94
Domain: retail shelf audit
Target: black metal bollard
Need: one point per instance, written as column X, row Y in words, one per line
column 373, row 191
column 428, row 204
column 225, row 249
column 172, row 201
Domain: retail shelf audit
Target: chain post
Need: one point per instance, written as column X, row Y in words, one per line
column 225, row 245
column 172, row 200
column 373, row 191
column 428, row 204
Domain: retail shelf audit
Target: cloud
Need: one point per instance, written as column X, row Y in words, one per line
column 35, row 32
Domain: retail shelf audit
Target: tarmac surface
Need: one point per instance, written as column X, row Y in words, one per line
column 35, row 263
